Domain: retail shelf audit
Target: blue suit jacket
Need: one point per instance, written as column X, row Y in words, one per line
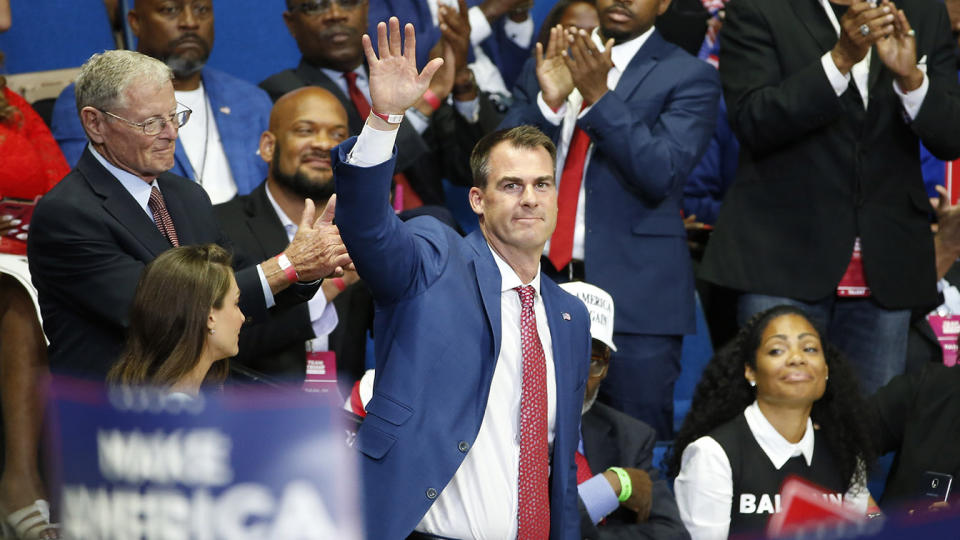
column 647, row 135
column 503, row 52
column 438, row 334
column 240, row 109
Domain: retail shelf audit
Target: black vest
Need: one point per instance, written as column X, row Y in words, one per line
column 756, row 483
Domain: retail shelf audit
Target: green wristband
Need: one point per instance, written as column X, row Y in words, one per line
column 626, row 487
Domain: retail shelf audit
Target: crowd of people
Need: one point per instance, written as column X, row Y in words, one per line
column 189, row 230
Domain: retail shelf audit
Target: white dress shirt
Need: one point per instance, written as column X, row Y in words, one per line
column 704, row 487
column 569, row 112
column 323, row 316
column 481, row 499
column 201, row 142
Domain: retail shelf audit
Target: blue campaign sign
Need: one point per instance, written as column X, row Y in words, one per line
column 244, row 464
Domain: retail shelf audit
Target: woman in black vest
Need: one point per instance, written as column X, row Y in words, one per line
column 774, row 402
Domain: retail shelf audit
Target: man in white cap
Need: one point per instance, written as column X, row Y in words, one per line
column 625, row 494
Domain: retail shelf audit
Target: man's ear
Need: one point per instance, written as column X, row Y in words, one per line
column 288, row 20
column 476, row 200
column 268, row 143
column 93, row 123
column 133, row 19
column 664, row 6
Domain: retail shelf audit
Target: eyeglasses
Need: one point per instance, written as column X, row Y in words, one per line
column 311, row 9
column 156, row 124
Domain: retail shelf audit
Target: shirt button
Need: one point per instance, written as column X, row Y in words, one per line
column 463, row 446
column 431, row 493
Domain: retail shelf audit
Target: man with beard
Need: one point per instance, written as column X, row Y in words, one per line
column 218, row 147
column 631, row 114
column 304, row 125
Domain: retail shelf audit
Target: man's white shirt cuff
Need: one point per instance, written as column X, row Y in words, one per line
column 838, row 80
column 373, row 147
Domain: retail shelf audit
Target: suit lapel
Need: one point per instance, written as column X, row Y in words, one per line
column 489, row 281
column 598, row 441
column 314, row 76
column 118, row 202
column 180, row 156
column 641, row 64
column 811, row 16
column 263, row 222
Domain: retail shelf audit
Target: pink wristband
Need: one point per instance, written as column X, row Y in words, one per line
column 431, row 99
column 339, row 284
column 287, row 268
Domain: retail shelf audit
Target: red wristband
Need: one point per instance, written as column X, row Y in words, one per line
column 287, row 268
column 339, row 284
column 431, row 99
column 388, row 118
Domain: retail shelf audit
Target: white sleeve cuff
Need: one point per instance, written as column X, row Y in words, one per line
column 553, row 117
column 913, row 99
column 838, row 80
column 520, row 33
column 479, row 25
column 373, row 147
column 265, row 285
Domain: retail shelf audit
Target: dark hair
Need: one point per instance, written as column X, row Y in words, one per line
column 723, row 393
column 168, row 319
column 527, row 137
column 553, row 18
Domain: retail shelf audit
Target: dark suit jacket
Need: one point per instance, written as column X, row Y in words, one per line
column 614, row 439
column 252, row 224
column 647, row 135
column 438, row 335
column 918, row 416
column 89, row 241
column 815, row 172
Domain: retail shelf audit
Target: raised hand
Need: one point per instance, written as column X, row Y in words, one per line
column 395, row 83
column 316, row 250
column 860, row 27
column 552, row 72
column 899, row 51
column 588, row 66
column 455, row 29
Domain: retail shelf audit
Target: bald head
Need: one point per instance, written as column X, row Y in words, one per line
column 305, row 125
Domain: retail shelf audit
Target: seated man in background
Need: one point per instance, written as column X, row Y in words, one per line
column 626, row 499
column 305, row 125
column 93, row 233
column 218, row 149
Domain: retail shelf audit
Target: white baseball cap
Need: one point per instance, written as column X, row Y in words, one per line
column 600, row 305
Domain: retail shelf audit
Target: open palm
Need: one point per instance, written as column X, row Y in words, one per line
column 395, row 83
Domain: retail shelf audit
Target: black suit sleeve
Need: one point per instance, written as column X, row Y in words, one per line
column 890, row 409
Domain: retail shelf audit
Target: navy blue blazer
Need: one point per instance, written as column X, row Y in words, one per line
column 438, row 332
column 647, row 135
column 240, row 109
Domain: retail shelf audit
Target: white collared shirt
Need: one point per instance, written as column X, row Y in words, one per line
column 323, row 316
column 704, row 487
column 481, row 499
column 570, row 112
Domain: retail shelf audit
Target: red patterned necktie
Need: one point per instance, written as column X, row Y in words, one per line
column 533, row 513
column 583, row 468
column 561, row 243
column 161, row 217
column 410, row 197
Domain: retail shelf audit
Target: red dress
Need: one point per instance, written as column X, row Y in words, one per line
column 30, row 160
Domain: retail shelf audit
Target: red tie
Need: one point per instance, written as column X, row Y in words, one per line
column 561, row 243
column 410, row 197
column 161, row 217
column 583, row 468
column 533, row 513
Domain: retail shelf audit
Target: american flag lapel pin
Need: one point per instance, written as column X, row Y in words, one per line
column 565, row 315
column 225, row 109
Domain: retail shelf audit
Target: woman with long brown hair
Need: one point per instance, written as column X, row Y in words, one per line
column 184, row 320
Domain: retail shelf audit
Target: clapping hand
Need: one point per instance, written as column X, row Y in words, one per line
column 898, row 51
column 864, row 24
column 588, row 66
column 552, row 72
column 395, row 83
